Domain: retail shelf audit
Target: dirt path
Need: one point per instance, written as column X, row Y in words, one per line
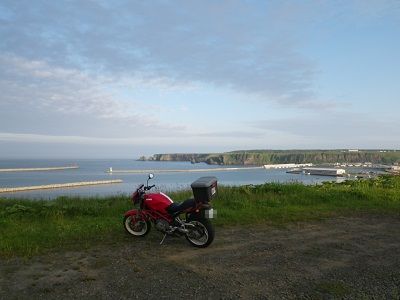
column 339, row 258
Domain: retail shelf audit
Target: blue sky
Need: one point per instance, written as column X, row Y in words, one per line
column 116, row 79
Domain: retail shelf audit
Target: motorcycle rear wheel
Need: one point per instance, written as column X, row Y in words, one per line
column 202, row 235
column 136, row 227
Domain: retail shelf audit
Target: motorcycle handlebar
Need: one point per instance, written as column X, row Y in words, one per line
column 146, row 188
column 149, row 187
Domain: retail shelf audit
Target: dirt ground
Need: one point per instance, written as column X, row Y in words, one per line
column 357, row 257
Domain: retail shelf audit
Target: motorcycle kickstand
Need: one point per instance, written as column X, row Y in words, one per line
column 162, row 241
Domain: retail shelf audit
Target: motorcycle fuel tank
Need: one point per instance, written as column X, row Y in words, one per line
column 158, row 202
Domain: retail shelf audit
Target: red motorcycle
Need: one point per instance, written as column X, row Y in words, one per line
column 159, row 209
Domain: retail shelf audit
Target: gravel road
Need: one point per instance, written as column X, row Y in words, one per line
column 338, row 258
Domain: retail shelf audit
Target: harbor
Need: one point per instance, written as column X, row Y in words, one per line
column 58, row 186
column 347, row 170
column 319, row 171
column 169, row 176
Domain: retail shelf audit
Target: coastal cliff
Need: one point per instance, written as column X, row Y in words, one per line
column 260, row 157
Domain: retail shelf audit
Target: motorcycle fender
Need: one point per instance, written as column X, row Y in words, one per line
column 136, row 211
column 131, row 212
column 193, row 216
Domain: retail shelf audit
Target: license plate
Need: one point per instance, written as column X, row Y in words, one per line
column 210, row 213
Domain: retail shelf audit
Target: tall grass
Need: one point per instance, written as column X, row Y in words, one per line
column 29, row 227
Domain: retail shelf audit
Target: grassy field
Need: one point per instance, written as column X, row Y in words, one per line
column 30, row 227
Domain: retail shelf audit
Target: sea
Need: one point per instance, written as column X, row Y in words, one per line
column 96, row 169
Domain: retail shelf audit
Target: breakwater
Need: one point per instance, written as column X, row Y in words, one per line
column 39, row 169
column 183, row 171
column 57, row 186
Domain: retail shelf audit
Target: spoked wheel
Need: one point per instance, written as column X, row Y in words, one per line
column 201, row 234
column 135, row 226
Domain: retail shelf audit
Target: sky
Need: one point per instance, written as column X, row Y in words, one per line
column 121, row 79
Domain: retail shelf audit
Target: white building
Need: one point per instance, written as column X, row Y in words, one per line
column 325, row 171
column 286, row 166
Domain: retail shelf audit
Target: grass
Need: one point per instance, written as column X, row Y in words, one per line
column 30, row 227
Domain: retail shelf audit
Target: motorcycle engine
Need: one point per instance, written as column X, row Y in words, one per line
column 162, row 225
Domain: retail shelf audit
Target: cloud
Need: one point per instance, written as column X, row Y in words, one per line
column 145, row 140
column 246, row 46
column 81, row 140
column 231, row 134
column 338, row 129
column 38, row 86
column 223, row 141
column 64, row 90
column 251, row 47
column 71, row 73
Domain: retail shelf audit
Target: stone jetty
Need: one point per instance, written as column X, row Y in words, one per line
column 39, row 169
column 57, row 186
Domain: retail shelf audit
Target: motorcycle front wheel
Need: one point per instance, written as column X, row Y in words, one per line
column 201, row 233
column 135, row 226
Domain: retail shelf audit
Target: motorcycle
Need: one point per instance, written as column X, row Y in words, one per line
column 163, row 213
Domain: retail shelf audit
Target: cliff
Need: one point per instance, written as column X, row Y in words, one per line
column 260, row 157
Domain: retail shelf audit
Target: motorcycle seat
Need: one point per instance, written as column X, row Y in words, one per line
column 176, row 208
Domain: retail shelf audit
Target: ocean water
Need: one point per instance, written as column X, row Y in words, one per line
column 92, row 170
